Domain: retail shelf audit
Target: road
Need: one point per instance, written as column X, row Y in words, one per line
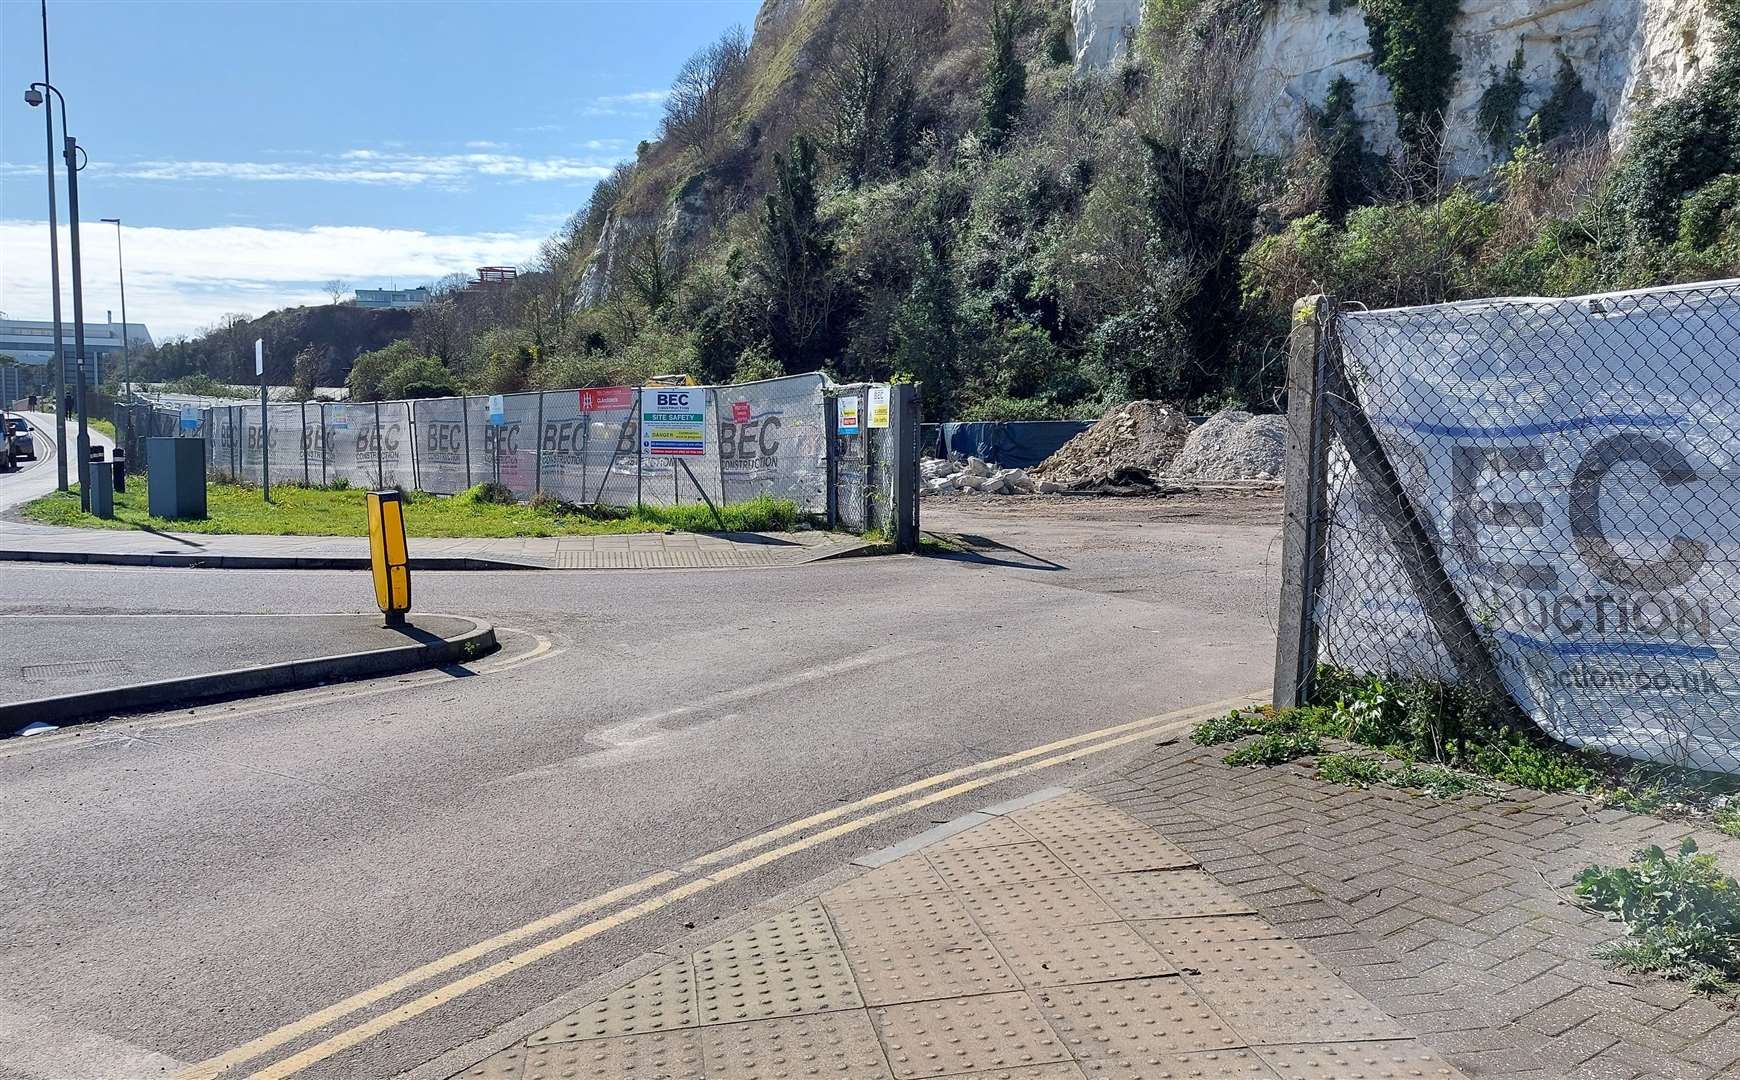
column 182, row 884
column 38, row 478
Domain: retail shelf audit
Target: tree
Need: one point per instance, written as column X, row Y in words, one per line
column 649, row 274
column 1005, row 90
column 306, row 371
column 867, row 93
column 369, row 374
column 418, row 377
column 1350, row 180
column 797, row 258
column 702, row 97
column 336, row 288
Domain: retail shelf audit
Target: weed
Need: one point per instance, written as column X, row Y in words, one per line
column 1354, row 770
column 1277, row 749
column 1681, row 914
column 1439, row 781
column 1224, row 729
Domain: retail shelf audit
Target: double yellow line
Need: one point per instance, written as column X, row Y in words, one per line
column 860, row 814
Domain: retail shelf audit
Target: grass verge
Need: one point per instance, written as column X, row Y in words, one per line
column 479, row 512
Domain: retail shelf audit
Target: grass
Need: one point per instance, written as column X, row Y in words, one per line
column 107, row 427
column 314, row 511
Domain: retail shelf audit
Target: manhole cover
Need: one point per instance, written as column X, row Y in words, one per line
column 69, row 669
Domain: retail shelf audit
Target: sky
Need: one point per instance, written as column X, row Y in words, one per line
column 255, row 150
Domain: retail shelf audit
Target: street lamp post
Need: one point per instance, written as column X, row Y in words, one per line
column 54, row 262
column 72, row 216
column 121, row 267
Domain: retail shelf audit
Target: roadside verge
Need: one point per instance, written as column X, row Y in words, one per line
column 425, row 650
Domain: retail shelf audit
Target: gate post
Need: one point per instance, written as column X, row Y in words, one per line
column 832, row 457
column 1303, row 527
column 903, row 424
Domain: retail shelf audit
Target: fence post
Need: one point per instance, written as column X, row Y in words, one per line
column 411, row 422
column 904, row 420
column 465, row 434
column 1303, row 525
column 380, row 468
column 638, row 448
column 323, row 435
column 832, row 459
column 538, row 449
column 303, row 410
column 718, row 426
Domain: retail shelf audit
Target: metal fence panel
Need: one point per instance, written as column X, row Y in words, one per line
column 773, row 441
column 443, row 451
column 579, row 448
column 1574, row 465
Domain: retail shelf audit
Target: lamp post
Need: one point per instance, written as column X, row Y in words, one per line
column 34, row 98
column 121, row 268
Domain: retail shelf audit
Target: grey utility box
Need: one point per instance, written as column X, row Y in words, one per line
column 101, row 480
column 175, row 477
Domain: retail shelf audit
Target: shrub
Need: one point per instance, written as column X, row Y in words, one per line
column 489, row 493
column 1224, row 729
column 1681, row 914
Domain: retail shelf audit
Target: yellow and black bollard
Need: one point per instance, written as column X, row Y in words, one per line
column 387, row 555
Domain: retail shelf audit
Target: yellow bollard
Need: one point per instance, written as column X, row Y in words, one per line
column 387, row 555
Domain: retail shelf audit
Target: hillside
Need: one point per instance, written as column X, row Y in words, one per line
column 1039, row 207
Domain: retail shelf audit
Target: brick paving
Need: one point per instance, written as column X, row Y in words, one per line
column 1058, row 940
column 1450, row 916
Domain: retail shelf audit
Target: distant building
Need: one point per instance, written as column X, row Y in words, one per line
column 392, row 298
column 32, row 343
column 492, row 277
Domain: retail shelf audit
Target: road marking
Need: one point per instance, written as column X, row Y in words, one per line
column 107, row 733
column 1117, row 735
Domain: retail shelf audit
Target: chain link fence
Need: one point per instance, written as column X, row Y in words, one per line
column 776, row 438
column 1537, row 498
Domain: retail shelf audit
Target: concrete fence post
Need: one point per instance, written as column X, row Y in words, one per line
column 1303, row 527
column 904, row 419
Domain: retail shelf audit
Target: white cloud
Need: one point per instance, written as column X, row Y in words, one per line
column 180, row 280
column 361, row 166
column 639, row 102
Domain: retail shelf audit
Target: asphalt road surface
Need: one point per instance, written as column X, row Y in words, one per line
column 38, row 478
column 181, row 884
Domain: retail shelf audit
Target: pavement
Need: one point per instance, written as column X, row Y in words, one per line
column 73, row 653
column 1052, row 938
column 649, row 749
column 27, row 541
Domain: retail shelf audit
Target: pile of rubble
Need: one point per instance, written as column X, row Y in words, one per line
column 1234, row 445
column 1135, row 449
column 1129, row 441
column 944, row 476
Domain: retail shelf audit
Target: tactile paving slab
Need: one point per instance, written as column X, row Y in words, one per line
column 988, row 868
column 1268, row 957
column 909, row 875
column 1118, row 853
column 916, row 969
column 1294, row 1007
column 1401, row 1059
column 1131, row 1022
column 762, row 987
column 1172, row 935
column 967, row 1034
column 660, row 1000
column 1049, row 821
column 506, row 1065
column 1167, row 894
column 990, row 834
column 826, row 1046
column 1052, row 956
column 663, row 1055
column 1051, row 902
column 939, row 917
column 1207, row 1065
column 803, row 929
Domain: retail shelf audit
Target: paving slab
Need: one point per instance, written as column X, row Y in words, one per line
column 1102, row 951
column 75, row 653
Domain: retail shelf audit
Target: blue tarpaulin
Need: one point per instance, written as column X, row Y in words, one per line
column 1016, row 444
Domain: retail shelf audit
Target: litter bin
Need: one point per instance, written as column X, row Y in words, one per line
column 120, row 470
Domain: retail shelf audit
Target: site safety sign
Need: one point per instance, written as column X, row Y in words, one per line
column 848, row 416
column 673, row 421
column 879, row 406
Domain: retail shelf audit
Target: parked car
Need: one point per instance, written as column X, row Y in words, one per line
column 20, row 439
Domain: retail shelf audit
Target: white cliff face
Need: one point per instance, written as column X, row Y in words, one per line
column 1104, row 30
column 1623, row 50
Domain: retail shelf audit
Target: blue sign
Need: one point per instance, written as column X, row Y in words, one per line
column 497, row 411
column 189, row 418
